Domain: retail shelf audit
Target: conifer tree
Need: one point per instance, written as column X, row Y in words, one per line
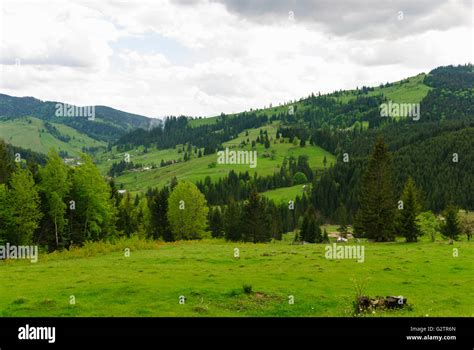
column 451, row 227
column 375, row 217
column 407, row 223
column 255, row 226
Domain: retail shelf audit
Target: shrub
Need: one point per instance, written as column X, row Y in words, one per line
column 299, row 178
column 247, row 288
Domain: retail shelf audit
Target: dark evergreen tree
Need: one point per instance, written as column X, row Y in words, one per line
column 159, row 224
column 406, row 223
column 232, row 222
column 255, row 224
column 216, row 223
column 451, row 227
column 375, row 218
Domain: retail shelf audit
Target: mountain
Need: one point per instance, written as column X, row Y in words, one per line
column 311, row 136
column 108, row 124
column 320, row 127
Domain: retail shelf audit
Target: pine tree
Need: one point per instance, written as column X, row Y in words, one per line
column 407, row 223
column 255, row 225
column 216, row 223
column 375, row 217
column 325, row 237
column 159, row 224
column 312, row 234
column 232, row 222
column 304, row 231
column 451, row 228
column 125, row 221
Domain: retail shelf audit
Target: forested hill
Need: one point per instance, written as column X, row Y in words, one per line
column 435, row 147
column 109, row 124
column 445, row 93
column 435, row 150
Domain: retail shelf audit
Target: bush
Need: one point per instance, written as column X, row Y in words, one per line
column 299, row 178
column 247, row 288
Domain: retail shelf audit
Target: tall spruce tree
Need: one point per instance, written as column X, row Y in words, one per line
column 407, row 224
column 216, row 223
column 232, row 222
column 451, row 227
column 375, row 217
column 159, row 225
column 304, row 231
column 255, row 224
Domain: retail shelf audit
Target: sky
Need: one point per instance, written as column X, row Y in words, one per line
column 206, row 57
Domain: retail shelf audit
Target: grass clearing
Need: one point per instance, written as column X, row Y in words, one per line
column 150, row 281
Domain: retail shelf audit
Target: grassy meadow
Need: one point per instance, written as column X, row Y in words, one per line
column 150, row 281
column 30, row 133
column 196, row 169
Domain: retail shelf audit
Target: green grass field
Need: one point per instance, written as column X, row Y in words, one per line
column 198, row 168
column 411, row 91
column 150, row 282
column 284, row 194
column 30, row 133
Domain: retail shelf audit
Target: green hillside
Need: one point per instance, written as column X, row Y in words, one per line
column 31, row 133
column 198, row 168
column 285, row 194
column 410, row 90
column 109, row 124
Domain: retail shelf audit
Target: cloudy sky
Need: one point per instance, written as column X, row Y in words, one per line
column 204, row 57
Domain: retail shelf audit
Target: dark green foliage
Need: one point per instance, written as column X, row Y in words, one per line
column 255, row 224
column 407, row 224
column 247, row 288
column 6, row 163
column 451, row 227
column 158, row 206
column 451, row 77
column 310, row 229
column 299, row 178
column 232, row 222
column 375, row 218
column 216, row 223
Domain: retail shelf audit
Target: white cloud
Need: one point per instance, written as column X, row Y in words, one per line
column 67, row 54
